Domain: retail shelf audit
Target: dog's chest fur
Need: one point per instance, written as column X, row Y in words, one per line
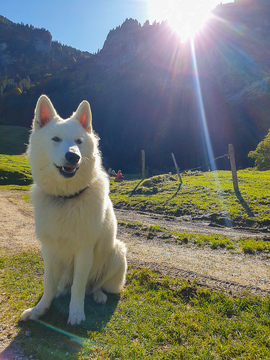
column 69, row 220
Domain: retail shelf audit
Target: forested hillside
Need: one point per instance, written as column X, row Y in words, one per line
column 143, row 86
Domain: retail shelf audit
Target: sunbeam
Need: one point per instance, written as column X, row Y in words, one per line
column 201, row 106
column 206, row 136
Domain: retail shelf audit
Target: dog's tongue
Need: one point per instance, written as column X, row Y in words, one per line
column 69, row 169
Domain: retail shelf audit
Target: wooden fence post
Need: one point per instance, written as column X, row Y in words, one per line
column 233, row 168
column 177, row 169
column 143, row 164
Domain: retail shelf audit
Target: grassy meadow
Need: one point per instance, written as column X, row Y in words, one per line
column 155, row 317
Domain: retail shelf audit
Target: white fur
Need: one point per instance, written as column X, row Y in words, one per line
column 78, row 235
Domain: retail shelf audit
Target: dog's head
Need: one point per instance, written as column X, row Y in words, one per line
column 63, row 153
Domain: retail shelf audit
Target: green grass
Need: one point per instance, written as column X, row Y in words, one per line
column 252, row 246
column 13, row 139
column 155, row 317
column 207, row 196
column 15, row 170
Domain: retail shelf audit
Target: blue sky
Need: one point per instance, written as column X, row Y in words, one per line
column 83, row 24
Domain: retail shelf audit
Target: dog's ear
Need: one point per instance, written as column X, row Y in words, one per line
column 84, row 116
column 44, row 112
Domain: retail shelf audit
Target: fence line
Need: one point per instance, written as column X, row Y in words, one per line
column 200, row 167
column 230, row 156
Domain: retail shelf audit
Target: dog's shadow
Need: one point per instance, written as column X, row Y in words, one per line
column 50, row 337
column 97, row 315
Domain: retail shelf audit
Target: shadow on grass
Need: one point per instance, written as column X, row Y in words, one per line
column 51, row 338
column 136, row 187
column 154, row 190
column 244, row 204
column 177, row 191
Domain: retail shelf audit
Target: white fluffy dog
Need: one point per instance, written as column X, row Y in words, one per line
column 74, row 217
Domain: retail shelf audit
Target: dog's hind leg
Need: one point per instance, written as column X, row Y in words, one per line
column 83, row 261
column 118, row 264
column 52, row 274
column 115, row 277
column 99, row 296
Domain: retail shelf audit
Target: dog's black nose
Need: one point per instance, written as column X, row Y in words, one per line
column 72, row 158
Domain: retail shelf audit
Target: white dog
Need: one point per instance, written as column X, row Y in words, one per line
column 74, row 217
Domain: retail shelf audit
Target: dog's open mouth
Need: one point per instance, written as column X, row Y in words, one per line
column 67, row 171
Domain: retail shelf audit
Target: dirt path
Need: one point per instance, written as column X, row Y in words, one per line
column 17, row 228
column 217, row 269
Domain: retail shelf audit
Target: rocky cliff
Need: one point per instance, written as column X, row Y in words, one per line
column 19, row 42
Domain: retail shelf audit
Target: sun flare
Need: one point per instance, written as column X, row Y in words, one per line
column 186, row 17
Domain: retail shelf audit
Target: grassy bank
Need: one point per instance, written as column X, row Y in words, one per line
column 206, row 196
column 154, row 318
column 15, row 170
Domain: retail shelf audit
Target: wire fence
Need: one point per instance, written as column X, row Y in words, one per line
column 200, row 167
column 230, row 156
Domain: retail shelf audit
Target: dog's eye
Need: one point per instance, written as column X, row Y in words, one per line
column 78, row 141
column 56, row 139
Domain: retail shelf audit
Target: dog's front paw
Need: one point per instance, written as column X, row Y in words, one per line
column 76, row 318
column 100, row 297
column 29, row 314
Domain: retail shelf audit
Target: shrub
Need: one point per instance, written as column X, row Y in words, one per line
column 262, row 154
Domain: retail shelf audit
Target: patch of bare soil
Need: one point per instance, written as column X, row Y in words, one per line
column 16, row 222
column 217, row 269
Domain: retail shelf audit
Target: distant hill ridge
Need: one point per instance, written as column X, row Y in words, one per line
column 142, row 86
column 18, row 42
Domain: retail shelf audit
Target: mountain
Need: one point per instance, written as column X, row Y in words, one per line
column 148, row 90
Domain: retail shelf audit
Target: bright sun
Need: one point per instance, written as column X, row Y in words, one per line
column 186, row 17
